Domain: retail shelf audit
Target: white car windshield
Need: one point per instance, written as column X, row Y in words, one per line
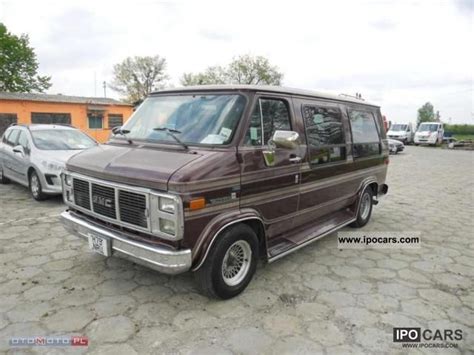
column 193, row 119
column 61, row 139
column 428, row 127
column 398, row 127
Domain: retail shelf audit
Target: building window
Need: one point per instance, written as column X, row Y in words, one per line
column 6, row 119
column 325, row 134
column 268, row 116
column 115, row 120
column 50, row 118
column 95, row 120
column 365, row 136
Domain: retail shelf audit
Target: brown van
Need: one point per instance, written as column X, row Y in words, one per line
column 212, row 178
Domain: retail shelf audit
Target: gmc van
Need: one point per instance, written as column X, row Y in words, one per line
column 211, row 179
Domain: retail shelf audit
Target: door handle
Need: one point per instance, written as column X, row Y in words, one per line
column 295, row 159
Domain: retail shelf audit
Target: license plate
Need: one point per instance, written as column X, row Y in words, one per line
column 99, row 244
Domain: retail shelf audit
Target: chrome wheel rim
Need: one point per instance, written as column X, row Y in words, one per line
column 236, row 263
column 365, row 206
column 35, row 185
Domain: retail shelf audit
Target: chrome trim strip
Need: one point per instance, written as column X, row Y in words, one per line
column 270, row 260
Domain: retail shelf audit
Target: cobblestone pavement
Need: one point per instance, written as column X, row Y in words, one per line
column 317, row 300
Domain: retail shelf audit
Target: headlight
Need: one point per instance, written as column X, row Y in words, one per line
column 166, row 216
column 52, row 166
column 167, row 205
column 167, row 226
column 68, row 180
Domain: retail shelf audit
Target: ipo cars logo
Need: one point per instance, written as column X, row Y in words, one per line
column 427, row 338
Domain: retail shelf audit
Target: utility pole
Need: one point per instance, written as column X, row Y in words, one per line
column 105, row 88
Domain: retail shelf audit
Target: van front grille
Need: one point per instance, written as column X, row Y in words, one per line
column 112, row 202
column 82, row 196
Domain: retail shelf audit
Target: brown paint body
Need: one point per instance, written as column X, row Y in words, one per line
column 290, row 199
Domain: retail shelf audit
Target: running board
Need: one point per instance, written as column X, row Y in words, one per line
column 287, row 246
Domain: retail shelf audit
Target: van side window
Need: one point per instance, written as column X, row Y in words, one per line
column 274, row 115
column 365, row 137
column 324, row 133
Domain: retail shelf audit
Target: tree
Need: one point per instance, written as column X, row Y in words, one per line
column 139, row 76
column 242, row 70
column 18, row 64
column 425, row 113
column 212, row 75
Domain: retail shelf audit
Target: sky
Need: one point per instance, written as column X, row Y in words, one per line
column 398, row 53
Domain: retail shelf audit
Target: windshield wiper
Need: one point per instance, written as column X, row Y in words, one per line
column 171, row 132
column 123, row 132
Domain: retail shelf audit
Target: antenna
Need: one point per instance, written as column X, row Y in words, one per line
column 95, row 84
column 104, row 84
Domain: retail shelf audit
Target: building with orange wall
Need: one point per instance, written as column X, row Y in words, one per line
column 93, row 115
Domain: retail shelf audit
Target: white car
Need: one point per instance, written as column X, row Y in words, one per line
column 35, row 155
column 402, row 132
column 429, row 133
column 395, row 146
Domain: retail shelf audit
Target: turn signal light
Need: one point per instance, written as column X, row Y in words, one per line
column 197, row 204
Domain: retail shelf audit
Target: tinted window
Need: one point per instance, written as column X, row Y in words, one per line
column 323, row 125
column 325, row 134
column 364, row 129
column 274, row 115
column 12, row 137
column 50, row 118
column 115, row 120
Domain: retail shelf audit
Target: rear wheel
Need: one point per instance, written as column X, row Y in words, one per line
column 35, row 187
column 365, row 208
column 231, row 263
column 3, row 179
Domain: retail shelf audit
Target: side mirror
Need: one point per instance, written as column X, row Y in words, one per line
column 116, row 129
column 19, row 149
column 286, row 139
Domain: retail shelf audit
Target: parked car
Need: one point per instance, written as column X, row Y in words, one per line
column 35, row 155
column 395, row 146
column 402, row 132
column 429, row 133
column 212, row 178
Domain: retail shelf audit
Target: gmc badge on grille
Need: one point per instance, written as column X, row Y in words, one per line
column 103, row 201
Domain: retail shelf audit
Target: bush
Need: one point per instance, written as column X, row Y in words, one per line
column 459, row 128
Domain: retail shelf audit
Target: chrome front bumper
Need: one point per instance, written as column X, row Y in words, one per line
column 164, row 260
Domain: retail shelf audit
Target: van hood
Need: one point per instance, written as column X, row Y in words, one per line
column 143, row 166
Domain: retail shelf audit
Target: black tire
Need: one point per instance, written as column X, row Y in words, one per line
column 210, row 278
column 3, row 180
column 36, row 192
column 363, row 216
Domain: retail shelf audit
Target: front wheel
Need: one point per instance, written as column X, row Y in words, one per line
column 365, row 208
column 3, row 179
column 35, row 187
column 231, row 263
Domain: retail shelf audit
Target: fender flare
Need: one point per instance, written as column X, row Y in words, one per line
column 215, row 227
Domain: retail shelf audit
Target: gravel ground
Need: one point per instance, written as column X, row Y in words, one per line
column 317, row 300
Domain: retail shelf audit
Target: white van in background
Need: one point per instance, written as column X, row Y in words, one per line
column 429, row 133
column 402, row 132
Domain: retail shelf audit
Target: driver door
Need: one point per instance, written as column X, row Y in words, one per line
column 270, row 176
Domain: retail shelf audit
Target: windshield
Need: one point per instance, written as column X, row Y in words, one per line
column 428, row 127
column 61, row 139
column 193, row 119
column 398, row 127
